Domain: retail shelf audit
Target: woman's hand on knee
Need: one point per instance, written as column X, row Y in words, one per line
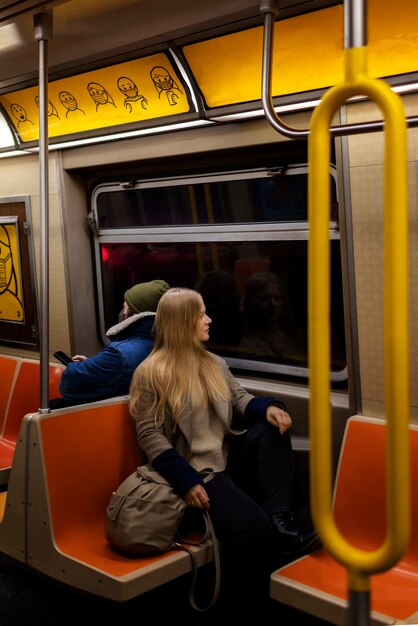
column 279, row 418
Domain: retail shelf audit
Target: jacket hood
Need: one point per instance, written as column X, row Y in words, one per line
column 124, row 324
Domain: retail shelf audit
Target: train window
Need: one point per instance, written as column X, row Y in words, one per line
column 241, row 240
column 241, row 198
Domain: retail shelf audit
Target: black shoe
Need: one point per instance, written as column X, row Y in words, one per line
column 290, row 538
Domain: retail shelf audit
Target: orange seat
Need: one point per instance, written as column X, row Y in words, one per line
column 26, row 395
column 77, row 457
column 93, row 475
column 8, row 367
column 317, row 583
column 25, row 398
column 3, row 495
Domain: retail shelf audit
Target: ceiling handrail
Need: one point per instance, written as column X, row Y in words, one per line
column 355, row 32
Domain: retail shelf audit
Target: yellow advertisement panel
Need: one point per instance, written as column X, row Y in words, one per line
column 308, row 53
column 133, row 91
column 11, row 304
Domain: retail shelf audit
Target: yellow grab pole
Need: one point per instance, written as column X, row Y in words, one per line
column 360, row 564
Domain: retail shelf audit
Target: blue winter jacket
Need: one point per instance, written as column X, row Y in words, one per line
column 109, row 373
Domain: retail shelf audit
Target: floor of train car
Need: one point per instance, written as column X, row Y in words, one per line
column 28, row 599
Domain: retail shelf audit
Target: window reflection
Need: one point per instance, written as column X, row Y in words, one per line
column 223, row 305
column 271, row 331
column 255, row 294
column 240, row 238
column 279, row 198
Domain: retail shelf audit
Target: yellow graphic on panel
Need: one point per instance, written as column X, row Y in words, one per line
column 308, row 53
column 134, row 91
column 11, row 306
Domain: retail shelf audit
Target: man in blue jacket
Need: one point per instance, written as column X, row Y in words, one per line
column 109, row 373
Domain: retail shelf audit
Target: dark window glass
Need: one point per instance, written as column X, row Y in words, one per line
column 277, row 198
column 255, row 292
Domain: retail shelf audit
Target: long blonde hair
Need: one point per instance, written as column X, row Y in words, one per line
column 179, row 369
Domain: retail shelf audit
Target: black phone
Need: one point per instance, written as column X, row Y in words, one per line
column 62, row 357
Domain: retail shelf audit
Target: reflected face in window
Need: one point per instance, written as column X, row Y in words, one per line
column 254, row 288
column 265, row 300
column 270, row 304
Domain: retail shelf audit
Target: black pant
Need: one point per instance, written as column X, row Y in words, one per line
column 260, row 462
column 257, row 482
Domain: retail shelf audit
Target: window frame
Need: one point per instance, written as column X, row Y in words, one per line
column 207, row 233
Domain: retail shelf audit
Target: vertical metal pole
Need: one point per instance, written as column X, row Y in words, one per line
column 355, row 26
column 43, row 33
column 358, row 608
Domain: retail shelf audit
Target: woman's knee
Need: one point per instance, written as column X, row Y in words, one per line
column 253, row 530
column 264, row 433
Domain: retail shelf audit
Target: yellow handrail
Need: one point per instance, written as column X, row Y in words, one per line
column 359, row 563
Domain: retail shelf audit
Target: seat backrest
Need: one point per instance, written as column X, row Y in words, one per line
column 360, row 493
column 26, row 394
column 87, row 452
column 8, row 370
column 13, row 528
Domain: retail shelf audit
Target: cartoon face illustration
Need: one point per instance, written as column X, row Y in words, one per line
column 11, row 306
column 130, row 91
column 127, row 87
column 162, row 79
column 164, row 83
column 99, row 94
column 51, row 108
column 6, row 261
column 18, row 112
column 68, row 100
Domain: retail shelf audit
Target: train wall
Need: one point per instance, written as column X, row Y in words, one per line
column 366, row 185
column 73, row 315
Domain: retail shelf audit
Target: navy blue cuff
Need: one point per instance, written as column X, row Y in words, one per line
column 179, row 473
column 256, row 409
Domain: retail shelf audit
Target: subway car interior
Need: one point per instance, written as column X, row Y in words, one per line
column 265, row 154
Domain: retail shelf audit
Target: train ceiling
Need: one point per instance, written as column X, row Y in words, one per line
column 93, row 29
column 126, row 64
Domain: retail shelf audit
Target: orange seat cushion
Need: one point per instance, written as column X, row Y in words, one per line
column 7, row 372
column 26, row 395
column 84, row 463
column 360, row 514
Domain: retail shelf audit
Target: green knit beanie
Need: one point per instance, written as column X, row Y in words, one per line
column 145, row 296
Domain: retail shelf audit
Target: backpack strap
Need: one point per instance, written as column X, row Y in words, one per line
column 209, row 534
